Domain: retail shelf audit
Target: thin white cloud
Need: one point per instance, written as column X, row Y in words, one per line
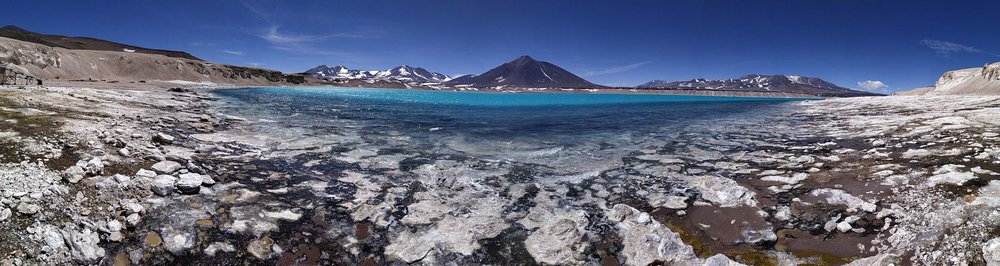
column 232, row 52
column 873, row 85
column 946, row 48
column 617, row 69
column 304, row 43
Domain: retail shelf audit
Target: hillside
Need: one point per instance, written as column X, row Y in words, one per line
column 84, row 43
column 57, row 63
column 983, row 80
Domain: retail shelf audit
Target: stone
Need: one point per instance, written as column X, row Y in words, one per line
column 163, row 185
column 115, row 236
column 163, row 138
column 28, row 208
column 124, row 152
column 166, row 167
column 133, row 219
column 260, row 248
column 83, row 245
column 991, row 252
column 73, row 174
column 189, row 183
column 145, row 173
column 560, row 241
column 216, row 247
column 177, row 242
column 5, row 213
column 114, row 225
column 646, row 242
column 94, row 167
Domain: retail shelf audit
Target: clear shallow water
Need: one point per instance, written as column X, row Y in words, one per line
column 570, row 134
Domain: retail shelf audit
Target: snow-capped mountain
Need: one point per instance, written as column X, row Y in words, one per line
column 404, row 73
column 755, row 82
column 525, row 72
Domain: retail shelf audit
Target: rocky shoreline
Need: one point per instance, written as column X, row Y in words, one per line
column 165, row 176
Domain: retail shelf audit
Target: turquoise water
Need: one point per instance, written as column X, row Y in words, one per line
column 565, row 134
column 505, row 99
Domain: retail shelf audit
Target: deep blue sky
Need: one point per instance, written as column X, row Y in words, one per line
column 904, row 44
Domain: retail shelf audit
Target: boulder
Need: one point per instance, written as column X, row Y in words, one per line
column 83, row 245
column 163, row 185
column 73, row 174
column 189, row 183
column 162, row 138
column 166, row 167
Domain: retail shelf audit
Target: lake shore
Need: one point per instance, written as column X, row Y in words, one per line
column 146, row 174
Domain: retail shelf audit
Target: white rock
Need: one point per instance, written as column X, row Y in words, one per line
column 216, row 247
column 5, row 213
column 177, row 242
column 28, row 208
column 991, row 252
column 646, row 243
column 189, row 183
column 94, row 167
column 83, row 245
column 163, row 185
column 166, row 167
column 145, row 173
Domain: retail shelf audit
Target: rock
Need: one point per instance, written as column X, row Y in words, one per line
column 177, row 242
column 670, row 202
column 260, row 248
column 132, row 219
column 122, row 179
column 5, row 213
column 28, row 208
column 217, row 247
column 94, row 167
column 162, row 138
column 73, row 174
column 166, row 167
column 991, row 252
column 844, row 227
column 124, row 152
column 720, row 260
column 114, row 226
column 646, row 242
column 115, row 236
column 559, row 242
column 145, row 173
column 83, row 245
column 189, row 183
column 163, row 185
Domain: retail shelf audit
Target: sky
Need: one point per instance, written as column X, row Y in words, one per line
column 880, row 46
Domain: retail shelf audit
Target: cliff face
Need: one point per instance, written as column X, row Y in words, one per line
column 983, row 80
column 50, row 63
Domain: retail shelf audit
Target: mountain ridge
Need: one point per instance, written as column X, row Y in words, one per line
column 84, row 43
column 759, row 82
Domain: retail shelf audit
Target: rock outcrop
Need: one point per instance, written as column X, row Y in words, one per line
column 983, row 80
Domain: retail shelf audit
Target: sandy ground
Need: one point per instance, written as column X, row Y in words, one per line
column 112, row 173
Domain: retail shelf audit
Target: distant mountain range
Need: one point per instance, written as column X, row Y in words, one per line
column 526, row 72
column 84, row 43
column 762, row 83
column 404, row 73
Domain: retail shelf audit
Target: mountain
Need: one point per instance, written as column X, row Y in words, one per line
column 525, row 72
column 983, row 80
column 404, row 73
column 58, row 63
column 84, row 43
column 764, row 83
